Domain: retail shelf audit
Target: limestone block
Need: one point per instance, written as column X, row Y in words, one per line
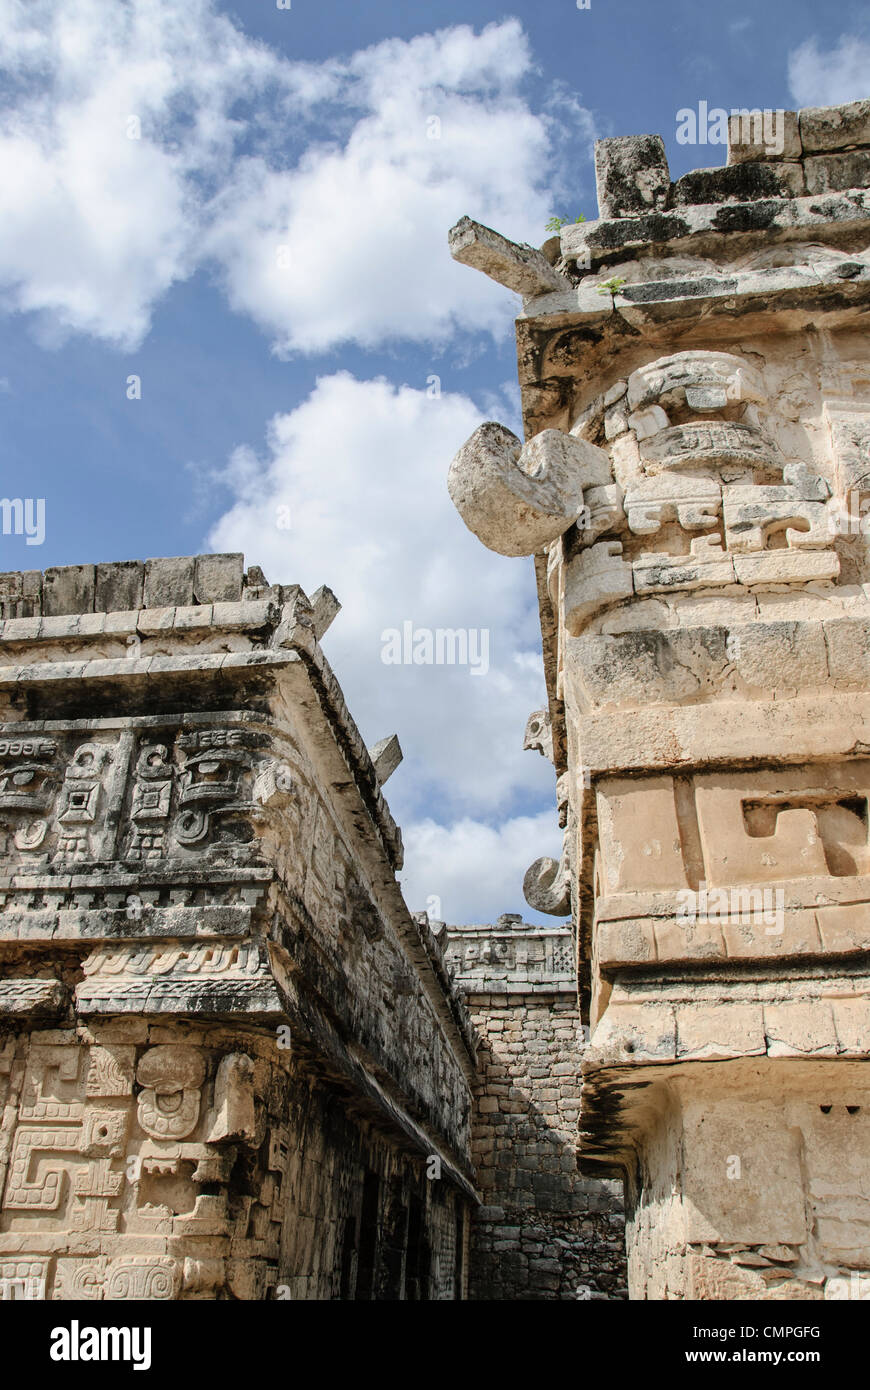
column 594, row 579
column 786, row 566
column 761, row 931
column 625, row 943
column 646, row 667
column 519, row 268
column 68, row 589
column 848, row 649
column 807, row 484
column 119, row 586
column 666, row 380
column 852, row 1022
column 615, row 421
column 716, row 610
column 648, row 613
column 169, row 581
column 707, row 566
column 217, row 578
column 516, row 498
column 39, row 999
column 631, row 175
column 764, row 1202
column 710, row 1033
column 681, row 938
column 740, row 182
column 763, row 135
column 718, row 1279
column 779, row 656
column 754, row 514
column 800, row 1028
column 833, row 173
column 845, row 929
column 695, row 502
column 629, row 1032
column 639, row 833
column 835, row 127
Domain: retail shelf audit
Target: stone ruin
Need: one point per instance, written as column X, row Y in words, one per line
column 234, row 1066
column 695, row 373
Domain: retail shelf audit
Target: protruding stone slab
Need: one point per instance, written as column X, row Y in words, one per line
column 522, row 269
column 325, row 608
column 386, row 755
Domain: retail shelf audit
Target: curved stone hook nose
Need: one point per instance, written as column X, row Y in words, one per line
column 517, row 497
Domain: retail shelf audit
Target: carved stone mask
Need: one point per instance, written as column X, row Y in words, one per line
column 169, row 1103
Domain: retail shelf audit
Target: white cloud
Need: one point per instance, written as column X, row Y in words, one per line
column 361, row 468
column 832, row 77
column 472, row 871
column 242, row 152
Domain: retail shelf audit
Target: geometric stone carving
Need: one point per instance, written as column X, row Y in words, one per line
column 695, row 503
column 753, row 514
column 724, row 445
column 595, row 578
column 151, row 1277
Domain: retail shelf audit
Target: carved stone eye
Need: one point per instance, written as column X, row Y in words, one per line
column 170, row 1103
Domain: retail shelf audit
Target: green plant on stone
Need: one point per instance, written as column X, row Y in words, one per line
column 612, row 287
column 556, row 224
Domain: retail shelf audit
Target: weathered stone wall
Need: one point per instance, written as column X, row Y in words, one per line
column 544, row 1232
column 694, row 486
column 231, row 1063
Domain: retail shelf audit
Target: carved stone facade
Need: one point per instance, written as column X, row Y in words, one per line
column 695, row 373
column 232, row 1065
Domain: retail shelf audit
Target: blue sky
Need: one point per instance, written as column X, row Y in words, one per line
column 264, row 247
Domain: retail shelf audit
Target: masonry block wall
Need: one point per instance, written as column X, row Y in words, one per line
column 544, row 1231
